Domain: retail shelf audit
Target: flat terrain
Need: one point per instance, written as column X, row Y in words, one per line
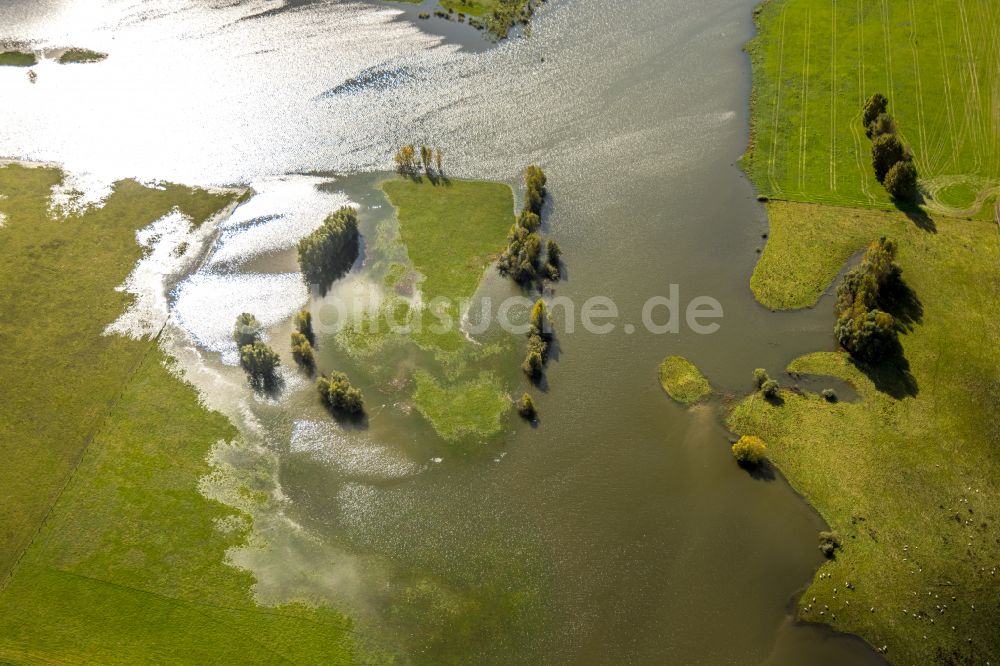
column 682, row 380
column 103, row 447
column 907, row 475
column 816, row 61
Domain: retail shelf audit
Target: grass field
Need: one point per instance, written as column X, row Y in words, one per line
column 123, row 558
column 907, row 475
column 682, row 380
column 816, row 61
column 17, row 59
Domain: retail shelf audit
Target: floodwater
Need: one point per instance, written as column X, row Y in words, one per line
column 617, row 531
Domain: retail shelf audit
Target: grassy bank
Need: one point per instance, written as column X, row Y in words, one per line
column 123, row 558
column 682, row 380
column 906, row 475
column 816, row 61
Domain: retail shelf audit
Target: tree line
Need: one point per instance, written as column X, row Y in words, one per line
column 891, row 159
column 523, row 259
column 410, row 161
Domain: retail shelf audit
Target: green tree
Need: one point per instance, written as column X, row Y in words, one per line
column 438, row 160
column 553, row 257
column 302, row 351
column 884, row 124
column 771, row 389
column 887, row 150
column 526, row 408
column 247, row 331
column 328, row 252
column 533, row 366
column 260, row 363
column 876, row 105
column 901, row 181
column 749, row 450
column 338, row 394
column 760, row 377
column 425, row 156
column 303, row 324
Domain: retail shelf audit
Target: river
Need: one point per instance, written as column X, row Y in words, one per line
column 619, row 530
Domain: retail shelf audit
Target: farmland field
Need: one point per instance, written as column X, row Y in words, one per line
column 815, row 63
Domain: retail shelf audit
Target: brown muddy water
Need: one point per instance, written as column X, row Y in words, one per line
column 617, row 531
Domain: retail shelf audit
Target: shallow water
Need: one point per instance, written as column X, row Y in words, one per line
column 619, row 530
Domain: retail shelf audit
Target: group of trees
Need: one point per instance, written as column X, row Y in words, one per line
column 891, row 159
column 539, row 337
column 258, row 360
column 863, row 328
column 303, row 341
column 409, row 161
column 524, row 259
column 339, row 395
column 767, row 386
column 328, row 252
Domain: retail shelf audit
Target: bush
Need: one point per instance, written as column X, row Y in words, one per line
column 829, row 543
column 887, row 150
column 260, row 363
column 829, row 395
column 749, row 450
column 526, row 408
column 770, row 389
column 901, row 181
column 760, row 377
column 876, row 105
column 303, row 324
column 338, row 394
column 553, row 257
column 302, row 351
column 247, row 331
column 328, row 253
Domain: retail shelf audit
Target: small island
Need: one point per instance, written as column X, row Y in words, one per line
column 682, row 380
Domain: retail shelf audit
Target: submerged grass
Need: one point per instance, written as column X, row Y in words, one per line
column 103, row 451
column 682, row 380
column 17, row 59
column 906, row 475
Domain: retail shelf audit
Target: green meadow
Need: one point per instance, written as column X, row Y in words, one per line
column 682, row 380
column 109, row 552
column 907, row 475
column 816, row 61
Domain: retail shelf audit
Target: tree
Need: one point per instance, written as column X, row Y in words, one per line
column 901, row 181
column 539, row 319
column 406, row 160
column 876, row 105
column 863, row 329
column 337, row 393
column 438, row 160
column 770, row 389
column 534, row 196
column 303, row 324
column 526, row 408
column 425, row 156
column 330, row 251
column 302, row 351
column 247, row 331
column 749, row 450
column 884, row 124
column 760, row 377
column 553, row 257
column 887, row 150
column 260, row 363
column 533, row 366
